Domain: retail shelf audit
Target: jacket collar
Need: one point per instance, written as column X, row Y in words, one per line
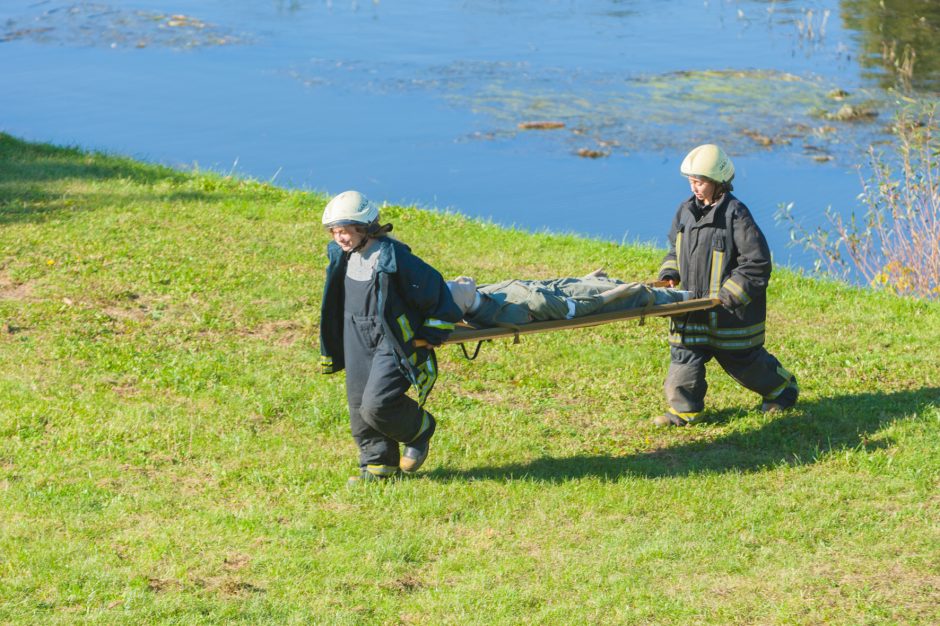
column 711, row 212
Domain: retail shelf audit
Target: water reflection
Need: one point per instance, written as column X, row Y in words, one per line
column 899, row 39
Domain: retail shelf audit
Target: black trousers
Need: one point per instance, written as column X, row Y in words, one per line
column 754, row 368
column 380, row 413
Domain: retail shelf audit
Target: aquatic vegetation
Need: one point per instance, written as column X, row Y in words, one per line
column 849, row 113
column 97, row 24
column 892, row 244
column 811, row 26
column 762, row 139
column 747, row 109
column 540, row 125
column 589, row 153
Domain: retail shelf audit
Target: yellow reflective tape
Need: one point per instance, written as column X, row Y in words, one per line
column 669, row 265
column 436, row 323
column 424, row 381
column 685, row 416
column 425, row 424
column 704, row 328
column 738, row 332
column 678, row 250
column 737, row 290
column 718, row 258
column 720, row 332
column 381, row 470
column 714, row 342
column 405, row 325
column 787, row 381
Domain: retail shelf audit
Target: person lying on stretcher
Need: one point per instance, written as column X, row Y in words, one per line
column 516, row 302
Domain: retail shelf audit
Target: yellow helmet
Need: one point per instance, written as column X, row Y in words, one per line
column 708, row 161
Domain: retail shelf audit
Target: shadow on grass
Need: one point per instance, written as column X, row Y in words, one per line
column 26, row 168
column 797, row 437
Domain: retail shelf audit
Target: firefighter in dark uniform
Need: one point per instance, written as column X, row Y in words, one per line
column 716, row 250
column 378, row 298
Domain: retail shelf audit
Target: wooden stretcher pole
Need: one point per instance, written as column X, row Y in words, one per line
column 464, row 334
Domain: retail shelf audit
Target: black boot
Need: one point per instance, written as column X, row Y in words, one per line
column 786, row 399
column 365, row 476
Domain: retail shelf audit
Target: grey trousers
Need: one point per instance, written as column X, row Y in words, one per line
column 380, row 413
column 754, row 368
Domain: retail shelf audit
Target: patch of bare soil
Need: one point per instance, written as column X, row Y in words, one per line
column 236, row 561
column 162, row 585
column 279, row 332
column 12, row 290
column 137, row 314
column 229, row 586
column 405, row 584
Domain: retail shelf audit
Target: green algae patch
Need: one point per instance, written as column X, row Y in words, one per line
column 747, row 109
column 594, row 113
column 105, row 25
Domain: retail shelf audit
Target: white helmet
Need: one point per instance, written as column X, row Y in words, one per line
column 349, row 207
column 708, row 161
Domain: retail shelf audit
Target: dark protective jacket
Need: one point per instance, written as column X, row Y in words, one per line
column 415, row 302
column 719, row 252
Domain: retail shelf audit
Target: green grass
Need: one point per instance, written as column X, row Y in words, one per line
column 170, row 454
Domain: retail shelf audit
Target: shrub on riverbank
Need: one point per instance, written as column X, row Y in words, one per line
column 895, row 242
column 170, row 454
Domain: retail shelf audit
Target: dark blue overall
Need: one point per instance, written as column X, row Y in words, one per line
column 380, row 414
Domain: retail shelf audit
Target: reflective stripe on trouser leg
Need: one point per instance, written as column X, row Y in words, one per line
column 757, row 370
column 425, row 424
column 685, row 384
column 381, row 470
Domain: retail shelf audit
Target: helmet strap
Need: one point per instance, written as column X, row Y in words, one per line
column 373, row 231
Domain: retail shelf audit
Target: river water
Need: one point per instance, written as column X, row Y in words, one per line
column 421, row 102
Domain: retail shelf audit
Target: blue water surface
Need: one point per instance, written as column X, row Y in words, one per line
column 419, row 102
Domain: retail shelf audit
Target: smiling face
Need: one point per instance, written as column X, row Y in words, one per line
column 703, row 189
column 348, row 237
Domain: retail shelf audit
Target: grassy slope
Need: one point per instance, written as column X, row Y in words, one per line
column 169, row 452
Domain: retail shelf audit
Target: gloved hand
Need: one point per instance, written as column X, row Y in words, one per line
column 672, row 278
column 731, row 302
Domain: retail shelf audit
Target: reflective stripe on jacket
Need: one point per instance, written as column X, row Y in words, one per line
column 723, row 254
column 415, row 302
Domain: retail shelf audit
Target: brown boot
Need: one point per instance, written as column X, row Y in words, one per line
column 668, row 419
column 416, row 452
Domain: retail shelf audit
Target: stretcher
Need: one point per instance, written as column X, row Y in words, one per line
column 465, row 333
